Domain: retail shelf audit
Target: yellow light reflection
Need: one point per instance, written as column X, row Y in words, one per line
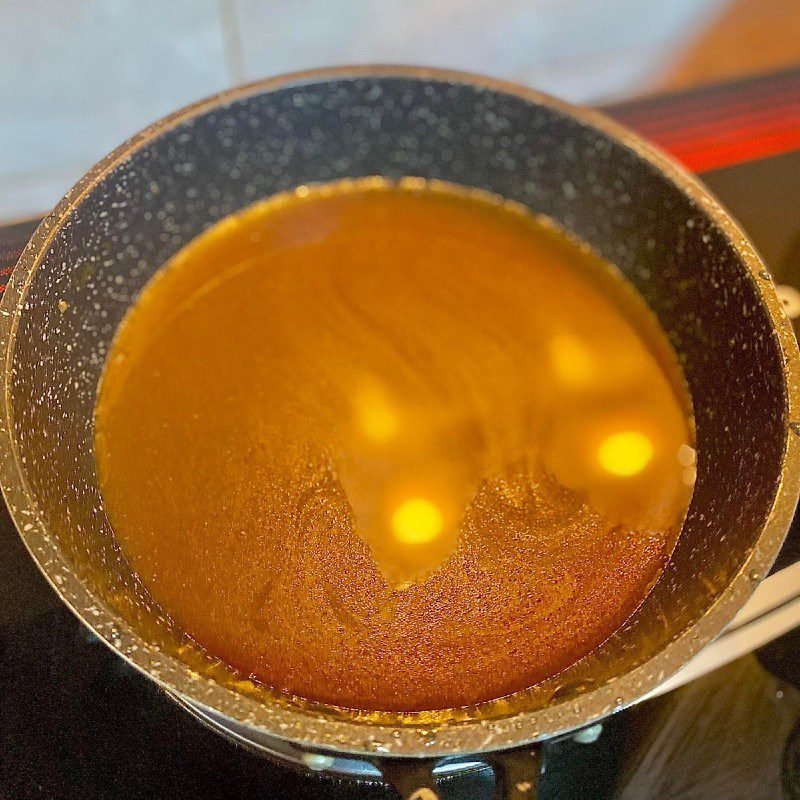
column 571, row 360
column 625, row 453
column 417, row 521
column 374, row 415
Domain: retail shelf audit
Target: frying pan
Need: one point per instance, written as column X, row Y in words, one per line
column 91, row 257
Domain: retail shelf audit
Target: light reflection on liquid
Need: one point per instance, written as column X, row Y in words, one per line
column 417, row 521
column 375, row 416
column 625, row 453
column 572, row 362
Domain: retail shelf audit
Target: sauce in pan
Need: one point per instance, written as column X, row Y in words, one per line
column 393, row 446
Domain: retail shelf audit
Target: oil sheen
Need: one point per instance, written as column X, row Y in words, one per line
column 393, row 446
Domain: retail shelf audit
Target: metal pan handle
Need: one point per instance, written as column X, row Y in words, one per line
column 516, row 775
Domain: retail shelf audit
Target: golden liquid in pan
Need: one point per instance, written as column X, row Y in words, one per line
column 393, row 446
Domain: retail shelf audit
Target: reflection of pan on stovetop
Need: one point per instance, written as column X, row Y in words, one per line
column 90, row 258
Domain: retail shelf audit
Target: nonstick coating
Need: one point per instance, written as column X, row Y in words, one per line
column 90, row 258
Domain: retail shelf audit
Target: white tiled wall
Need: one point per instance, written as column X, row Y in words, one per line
column 535, row 41
column 79, row 76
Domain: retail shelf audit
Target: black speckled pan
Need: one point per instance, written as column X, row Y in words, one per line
column 90, row 258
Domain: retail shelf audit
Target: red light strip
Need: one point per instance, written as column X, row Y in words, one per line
column 722, row 125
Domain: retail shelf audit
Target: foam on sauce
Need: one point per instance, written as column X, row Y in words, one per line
column 393, row 446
